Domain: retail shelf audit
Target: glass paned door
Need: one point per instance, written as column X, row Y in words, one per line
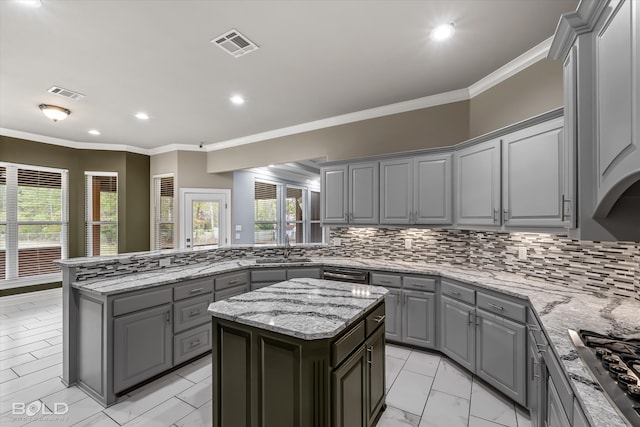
column 205, row 220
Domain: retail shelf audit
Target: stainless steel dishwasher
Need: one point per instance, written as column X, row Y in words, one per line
column 346, row 275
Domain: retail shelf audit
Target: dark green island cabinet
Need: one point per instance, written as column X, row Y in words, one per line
column 300, row 353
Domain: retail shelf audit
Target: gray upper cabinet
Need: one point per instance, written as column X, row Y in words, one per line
column 364, row 193
column 350, row 193
column 477, row 170
column 533, row 172
column 334, row 201
column 416, row 190
column 142, row 346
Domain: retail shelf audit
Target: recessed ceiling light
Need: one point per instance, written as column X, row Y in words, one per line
column 94, row 132
column 272, row 165
column 443, row 32
column 142, row 116
column 237, row 99
column 30, row 3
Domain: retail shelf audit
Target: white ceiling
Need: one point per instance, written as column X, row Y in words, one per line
column 317, row 59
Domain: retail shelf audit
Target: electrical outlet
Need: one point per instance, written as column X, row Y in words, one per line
column 408, row 243
column 164, row 262
column 237, row 236
column 522, row 252
column 336, row 241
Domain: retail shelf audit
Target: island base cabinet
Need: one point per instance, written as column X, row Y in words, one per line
column 375, row 379
column 349, row 392
column 142, row 346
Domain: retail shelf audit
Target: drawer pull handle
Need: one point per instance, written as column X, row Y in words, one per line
column 454, row 293
column 385, row 282
column 470, row 318
column 195, row 291
column 194, row 343
column 194, row 313
column 533, row 328
column 233, row 282
column 370, row 355
column 167, row 316
column 497, row 307
column 380, row 318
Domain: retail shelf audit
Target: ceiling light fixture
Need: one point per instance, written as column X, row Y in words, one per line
column 142, row 116
column 443, row 32
column 237, row 99
column 30, row 3
column 94, row 132
column 55, row 113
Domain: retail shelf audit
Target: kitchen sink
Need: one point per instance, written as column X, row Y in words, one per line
column 281, row 260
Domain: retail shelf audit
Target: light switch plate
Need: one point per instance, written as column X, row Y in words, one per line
column 408, row 243
column 238, row 227
column 522, row 252
column 336, row 241
column 237, row 236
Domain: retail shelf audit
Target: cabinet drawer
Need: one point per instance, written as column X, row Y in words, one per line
column 191, row 343
column 127, row 304
column 272, row 275
column 193, row 288
column 191, row 312
column 419, row 283
column 230, row 280
column 259, row 285
column 313, row 273
column 230, row 292
column 502, row 307
column 388, row 280
column 458, row 292
column 375, row 319
column 347, row 343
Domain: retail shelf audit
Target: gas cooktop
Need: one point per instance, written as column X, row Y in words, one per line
column 614, row 362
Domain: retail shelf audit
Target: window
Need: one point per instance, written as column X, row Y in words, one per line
column 266, row 213
column 101, row 213
column 163, row 216
column 33, row 220
column 286, row 210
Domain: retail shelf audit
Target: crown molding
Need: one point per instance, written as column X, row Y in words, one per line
column 173, row 147
column 511, row 68
column 572, row 24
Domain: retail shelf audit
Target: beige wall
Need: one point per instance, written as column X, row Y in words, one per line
column 438, row 126
column 535, row 90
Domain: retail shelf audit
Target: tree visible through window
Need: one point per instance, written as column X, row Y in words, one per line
column 101, row 213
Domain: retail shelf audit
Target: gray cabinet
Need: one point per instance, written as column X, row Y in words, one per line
column 350, row 193
column 556, row 416
column 418, row 318
column 579, row 418
column 457, row 331
column 535, row 384
column 533, row 173
column 394, row 313
column 142, row 346
column 477, row 193
column 416, row 190
column 500, row 354
column 230, row 284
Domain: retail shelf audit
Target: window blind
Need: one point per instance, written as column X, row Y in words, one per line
column 101, row 217
column 266, row 213
column 33, row 220
column 163, row 222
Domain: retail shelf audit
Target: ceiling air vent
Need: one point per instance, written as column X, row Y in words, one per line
column 66, row 93
column 235, row 44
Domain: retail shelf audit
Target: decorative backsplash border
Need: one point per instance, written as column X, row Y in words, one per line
column 609, row 267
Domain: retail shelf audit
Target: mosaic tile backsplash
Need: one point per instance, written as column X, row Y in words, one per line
column 612, row 268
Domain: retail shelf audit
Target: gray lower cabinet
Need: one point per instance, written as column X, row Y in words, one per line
column 500, row 354
column 394, row 312
column 230, row 284
column 191, row 343
column 142, row 346
column 457, row 331
column 536, row 397
column 556, row 416
column 418, row 318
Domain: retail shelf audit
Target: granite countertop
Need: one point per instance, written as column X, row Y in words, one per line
column 303, row 308
column 559, row 308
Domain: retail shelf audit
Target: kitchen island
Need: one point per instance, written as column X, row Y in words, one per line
column 305, row 352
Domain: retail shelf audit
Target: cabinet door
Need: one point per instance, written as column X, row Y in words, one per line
column 432, row 197
column 501, row 354
column 533, row 176
column 478, row 184
column 457, row 332
column 141, row 346
column 375, row 374
column 334, row 200
column 364, row 193
column 349, row 395
column 570, row 134
column 535, row 383
column 396, row 195
column 617, row 84
column 419, row 318
column 556, row 417
column 393, row 321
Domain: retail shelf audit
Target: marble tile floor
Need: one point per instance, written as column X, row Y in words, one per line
column 423, row 389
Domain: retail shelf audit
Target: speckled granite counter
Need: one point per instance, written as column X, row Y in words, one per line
column 303, row 308
column 559, row 309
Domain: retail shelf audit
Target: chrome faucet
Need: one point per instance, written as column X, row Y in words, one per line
column 287, row 246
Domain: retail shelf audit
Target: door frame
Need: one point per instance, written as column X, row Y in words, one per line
column 226, row 193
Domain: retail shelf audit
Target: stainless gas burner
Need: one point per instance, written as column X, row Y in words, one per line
column 614, row 363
